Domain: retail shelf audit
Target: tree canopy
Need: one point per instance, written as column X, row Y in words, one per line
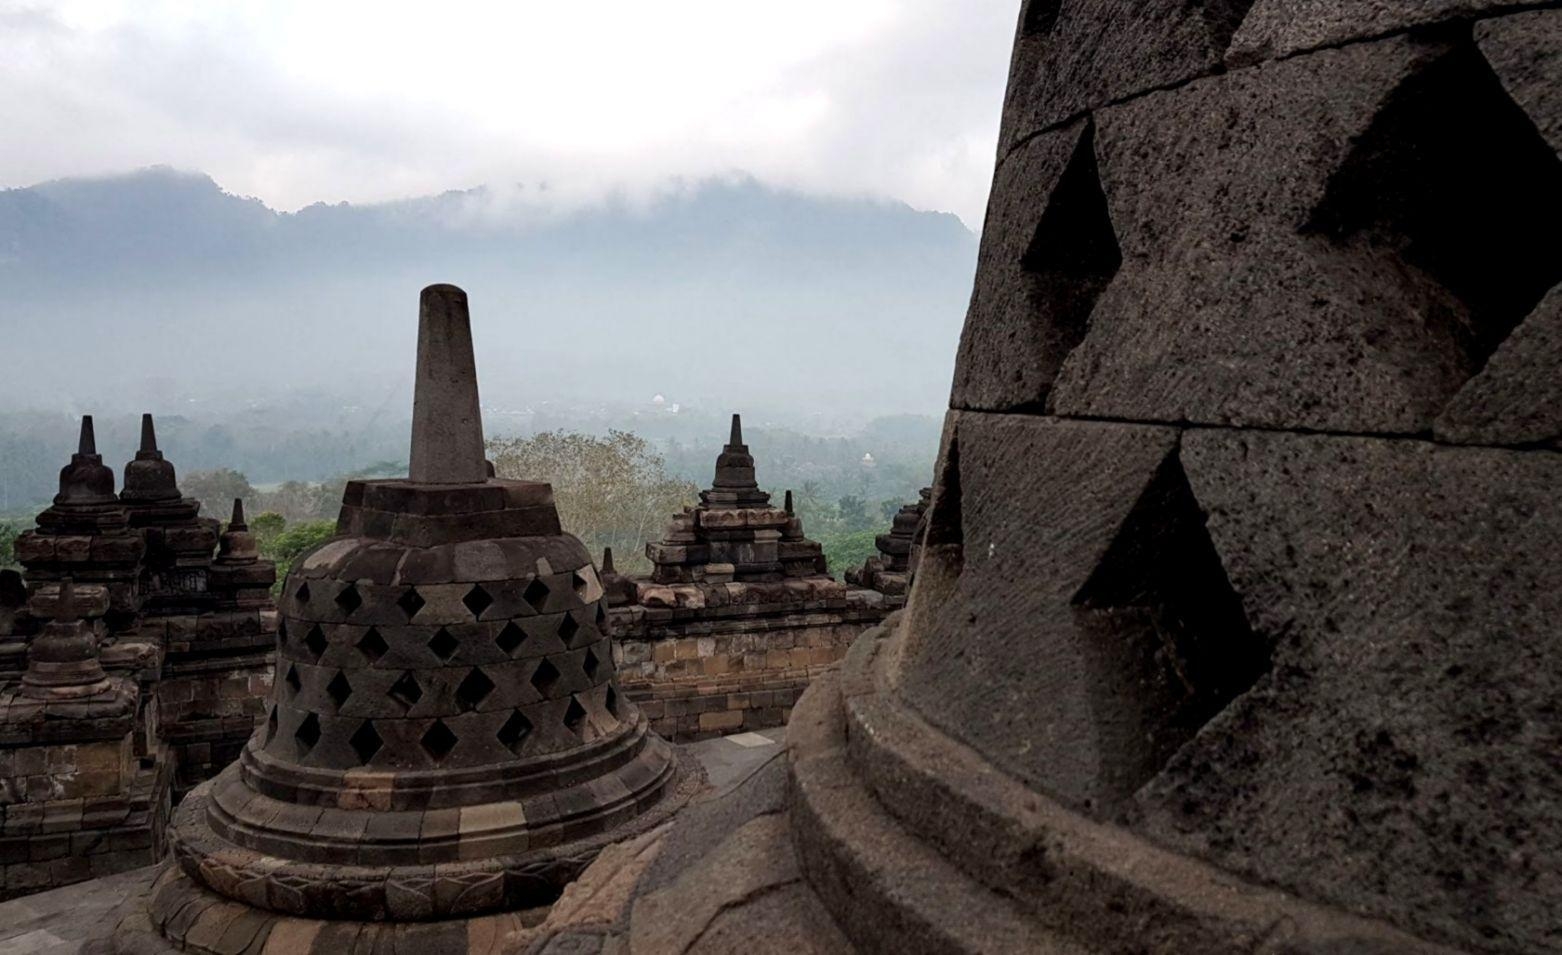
column 612, row 491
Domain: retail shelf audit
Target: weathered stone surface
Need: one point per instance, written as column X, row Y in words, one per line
column 1028, row 314
column 1334, row 292
column 447, row 424
column 1041, row 580
column 1517, row 397
column 445, row 747
column 1178, row 671
column 1396, row 759
column 1070, row 57
column 1276, row 28
column 1525, row 51
column 737, row 615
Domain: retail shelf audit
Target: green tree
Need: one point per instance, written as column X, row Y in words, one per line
column 289, row 544
column 854, row 513
column 611, row 492
column 217, row 489
column 266, row 526
column 847, row 551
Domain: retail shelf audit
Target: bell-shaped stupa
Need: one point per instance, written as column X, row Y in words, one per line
column 446, row 747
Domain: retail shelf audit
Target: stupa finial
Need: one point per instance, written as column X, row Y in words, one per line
column 736, row 440
column 789, row 502
column 236, row 522
column 88, row 445
column 607, row 560
column 148, row 433
column 447, row 423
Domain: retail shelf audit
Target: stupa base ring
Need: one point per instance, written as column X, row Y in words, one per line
column 915, row 843
column 267, row 904
column 181, row 915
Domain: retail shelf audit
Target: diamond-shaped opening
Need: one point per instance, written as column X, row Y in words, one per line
column 302, row 593
column 612, row 701
column 294, row 684
column 536, row 594
column 406, row 691
column 372, row 645
column 601, row 618
column 444, row 645
column 579, row 582
column 365, row 742
column 1455, row 178
column 510, row 638
column 271, row 726
column 474, row 689
column 477, row 600
column 591, row 664
column 1160, row 595
column 315, row 642
column 438, row 741
column 1070, row 261
column 575, row 716
column 514, row 732
column 307, row 734
column 568, row 628
column 339, row 689
column 281, row 631
column 410, row 602
column 545, row 677
column 349, row 600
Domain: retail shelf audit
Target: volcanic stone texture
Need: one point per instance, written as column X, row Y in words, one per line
column 1334, row 242
column 1071, row 56
column 1403, row 745
column 1275, row 28
column 1242, row 539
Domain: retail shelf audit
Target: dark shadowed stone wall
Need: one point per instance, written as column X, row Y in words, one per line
column 1245, row 533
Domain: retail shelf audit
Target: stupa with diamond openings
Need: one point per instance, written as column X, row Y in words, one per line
column 445, row 747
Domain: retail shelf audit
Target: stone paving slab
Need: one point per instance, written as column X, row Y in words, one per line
column 61, row 921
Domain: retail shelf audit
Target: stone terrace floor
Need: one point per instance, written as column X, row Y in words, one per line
column 61, row 921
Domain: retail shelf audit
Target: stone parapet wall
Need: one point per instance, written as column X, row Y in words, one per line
column 697, row 676
column 91, row 809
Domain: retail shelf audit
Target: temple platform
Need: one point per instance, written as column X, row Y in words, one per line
column 65, row 921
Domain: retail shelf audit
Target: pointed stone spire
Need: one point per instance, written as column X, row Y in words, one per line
column 86, row 480
column 239, row 578
column 735, row 472
column 237, row 544
column 150, row 477
column 607, row 561
column 788, row 505
column 447, row 424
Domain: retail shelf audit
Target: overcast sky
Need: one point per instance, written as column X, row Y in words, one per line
column 298, row 101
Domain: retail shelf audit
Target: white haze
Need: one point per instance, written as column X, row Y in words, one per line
column 299, row 101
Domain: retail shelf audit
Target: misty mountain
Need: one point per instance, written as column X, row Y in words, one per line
column 159, row 291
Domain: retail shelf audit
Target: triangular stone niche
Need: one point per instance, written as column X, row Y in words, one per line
column 1071, row 258
column 1454, row 178
column 1171, row 643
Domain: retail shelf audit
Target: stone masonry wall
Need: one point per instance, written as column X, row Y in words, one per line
column 696, row 679
column 81, row 819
